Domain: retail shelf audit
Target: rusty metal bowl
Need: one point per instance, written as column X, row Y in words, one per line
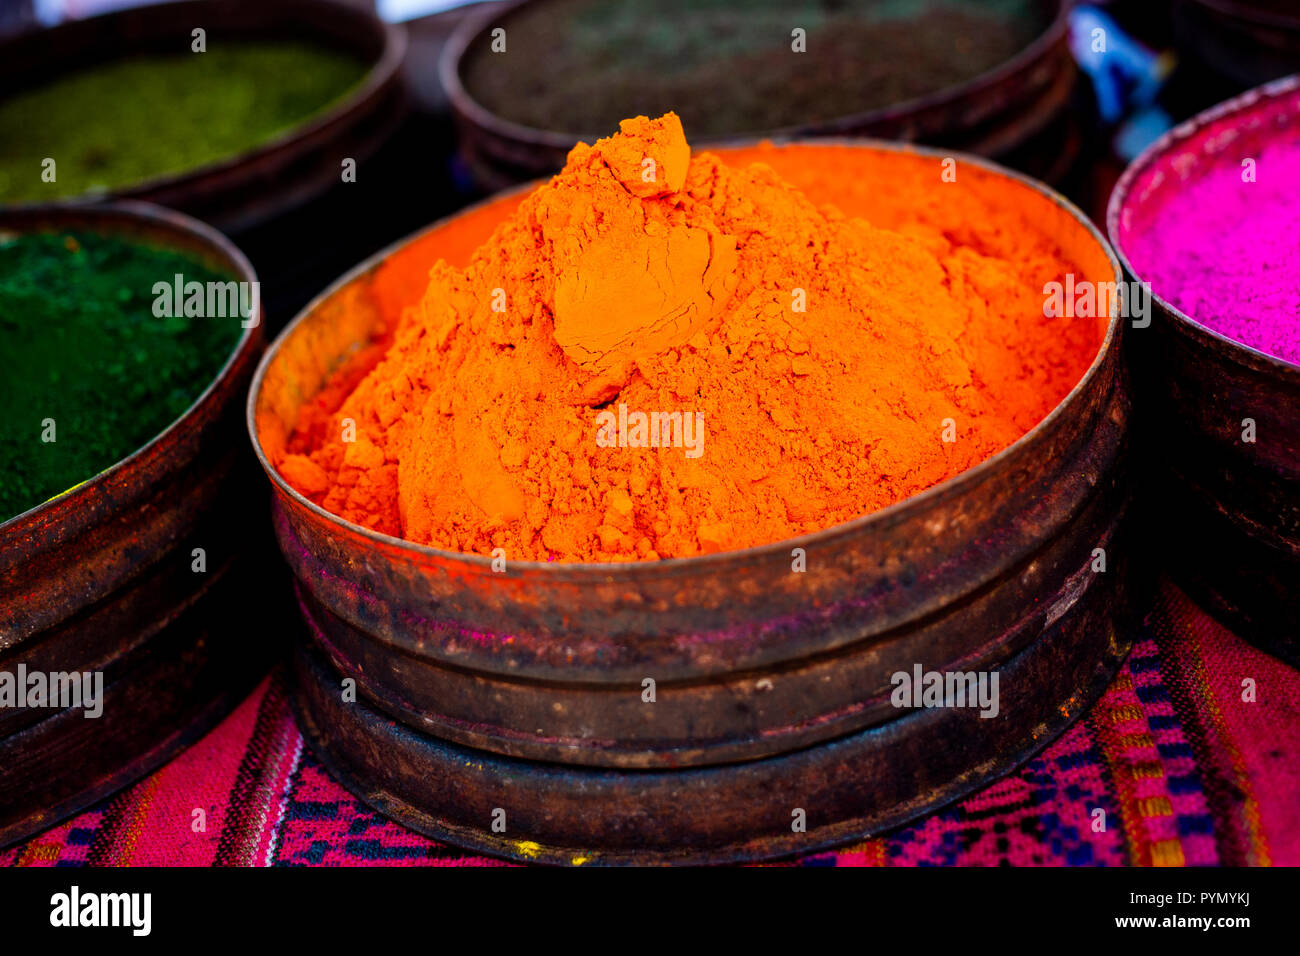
column 525, row 687
column 256, row 186
column 100, row 578
column 1228, row 512
column 1017, row 113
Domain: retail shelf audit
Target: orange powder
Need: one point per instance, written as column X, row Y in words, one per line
column 661, row 355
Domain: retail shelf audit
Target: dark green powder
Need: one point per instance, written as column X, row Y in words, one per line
column 727, row 66
column 80, row 345
column 123, row 122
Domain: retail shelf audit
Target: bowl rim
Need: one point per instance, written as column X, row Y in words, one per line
column 160, row 219
column 624, row 570
column 379, row 73
column 469, row 29
column 1237, row 106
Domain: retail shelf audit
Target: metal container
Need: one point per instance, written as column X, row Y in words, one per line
column 1247, row 42
column 1017, row 113
column 101, row 578
column 284, row 172
column 1227, row 511
column 525, row 689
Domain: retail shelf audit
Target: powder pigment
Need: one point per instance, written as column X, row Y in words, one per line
column 1221, row 248
column 115, row 125
column 84, row 350
column 825, row 357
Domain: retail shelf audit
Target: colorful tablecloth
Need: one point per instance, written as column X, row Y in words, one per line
column 1192, row 756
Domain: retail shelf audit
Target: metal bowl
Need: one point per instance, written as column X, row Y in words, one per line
column 1016, row 113
column 1228, row 511
column 100, row 578
column 536, row 674
column 255, row 186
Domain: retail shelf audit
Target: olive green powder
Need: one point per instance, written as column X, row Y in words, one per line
column 84, row 360
column 729, row 67
column 118, row 124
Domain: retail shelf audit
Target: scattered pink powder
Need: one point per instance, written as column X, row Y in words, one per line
column 1226, row 251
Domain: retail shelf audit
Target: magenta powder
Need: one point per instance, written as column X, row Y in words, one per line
column 1223, row 250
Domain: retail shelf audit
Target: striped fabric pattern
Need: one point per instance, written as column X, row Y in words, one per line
column 1192, row 757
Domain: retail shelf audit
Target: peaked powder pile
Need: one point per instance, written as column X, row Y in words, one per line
column 821, row 361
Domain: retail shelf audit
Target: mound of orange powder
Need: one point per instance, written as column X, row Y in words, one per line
column 660, row 355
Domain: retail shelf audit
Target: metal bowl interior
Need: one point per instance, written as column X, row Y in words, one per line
column 991, row 115
column 476, row 31
column 244, row 189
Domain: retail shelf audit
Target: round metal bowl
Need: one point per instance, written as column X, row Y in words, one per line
column 1228, row 511
column 100, row 578
column 527, row 686
column 253, row 187
column 1016, row 113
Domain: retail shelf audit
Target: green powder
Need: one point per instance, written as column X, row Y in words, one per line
column 82, row 348
column 120, row 123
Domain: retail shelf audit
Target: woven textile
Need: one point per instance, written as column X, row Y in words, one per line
column 1185, row 770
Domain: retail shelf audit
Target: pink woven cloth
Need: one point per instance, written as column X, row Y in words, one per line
column 1186, row 768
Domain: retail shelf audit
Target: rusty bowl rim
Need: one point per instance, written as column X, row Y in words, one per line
column 161, row 220
column 382, row 72
column 630, row 570
column 1240, row 105
column 453, row 53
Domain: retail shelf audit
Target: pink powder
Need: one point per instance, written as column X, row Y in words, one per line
column 1225, row 251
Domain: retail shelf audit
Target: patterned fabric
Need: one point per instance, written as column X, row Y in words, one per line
column 1175, row 765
